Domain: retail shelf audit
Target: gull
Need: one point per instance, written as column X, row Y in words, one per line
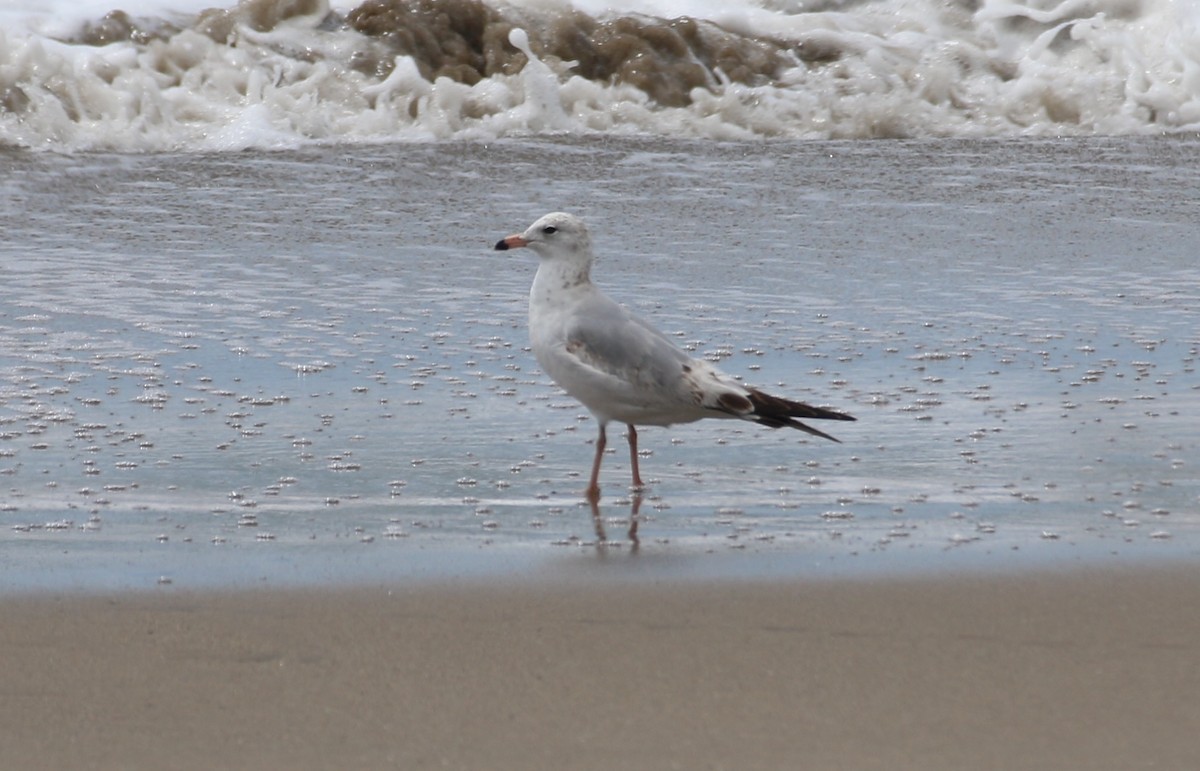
column 619, row 366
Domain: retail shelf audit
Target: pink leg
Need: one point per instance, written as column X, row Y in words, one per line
column 593, row 489
column 633, row 458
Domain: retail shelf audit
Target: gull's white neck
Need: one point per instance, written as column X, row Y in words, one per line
column 558, row 283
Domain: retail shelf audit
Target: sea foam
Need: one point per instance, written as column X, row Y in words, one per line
column 281, row 73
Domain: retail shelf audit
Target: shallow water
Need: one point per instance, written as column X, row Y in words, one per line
column 310, row 367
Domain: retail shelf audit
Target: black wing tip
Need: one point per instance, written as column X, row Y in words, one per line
column 775, row 407
column 813, row 431
column 822, row 413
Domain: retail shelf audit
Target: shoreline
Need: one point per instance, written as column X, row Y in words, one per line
column 1086, row 667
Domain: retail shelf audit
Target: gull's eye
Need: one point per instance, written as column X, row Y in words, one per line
column 549, row 229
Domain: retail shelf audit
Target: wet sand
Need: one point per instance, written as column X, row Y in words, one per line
column 1088, row 669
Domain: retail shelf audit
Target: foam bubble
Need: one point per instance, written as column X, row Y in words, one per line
column 543, row 104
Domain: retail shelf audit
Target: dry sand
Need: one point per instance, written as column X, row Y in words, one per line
column 1085, row 670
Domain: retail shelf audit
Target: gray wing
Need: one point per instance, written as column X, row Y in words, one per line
column 621, row 368
column 609, row 338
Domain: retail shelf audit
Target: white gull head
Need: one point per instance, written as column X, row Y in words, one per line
column 556, row 236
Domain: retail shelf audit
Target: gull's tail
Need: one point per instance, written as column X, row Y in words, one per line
column 777, row 412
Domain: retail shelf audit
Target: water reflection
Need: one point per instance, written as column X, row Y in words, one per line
column 635, row 509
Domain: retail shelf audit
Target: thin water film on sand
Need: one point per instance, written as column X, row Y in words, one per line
column 310, row 365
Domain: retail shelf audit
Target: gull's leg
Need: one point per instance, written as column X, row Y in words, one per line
column 593, row 489
column 633, row 460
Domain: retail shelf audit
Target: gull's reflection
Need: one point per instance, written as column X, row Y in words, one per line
column 635, row 508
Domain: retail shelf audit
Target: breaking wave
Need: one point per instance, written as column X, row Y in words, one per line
column 280, row 73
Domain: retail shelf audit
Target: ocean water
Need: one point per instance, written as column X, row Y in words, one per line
column 170, row 75
column 254, row 331
column 310, row 366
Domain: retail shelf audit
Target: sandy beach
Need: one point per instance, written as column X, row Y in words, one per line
column 1088, row 669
